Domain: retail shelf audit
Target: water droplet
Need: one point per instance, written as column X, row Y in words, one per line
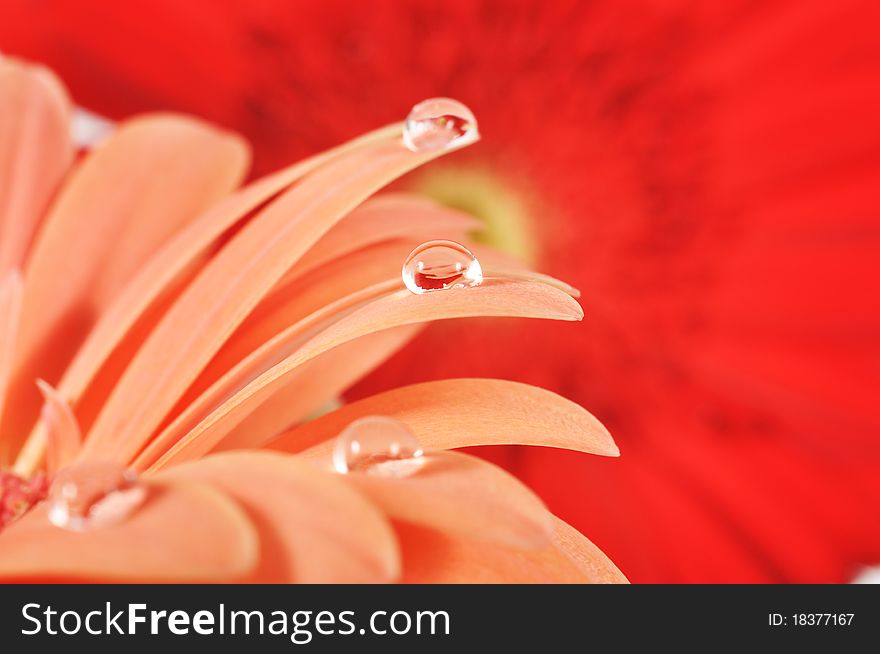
column 437, row 124
column 93, row 494
column 377, row 445
column 441, row 265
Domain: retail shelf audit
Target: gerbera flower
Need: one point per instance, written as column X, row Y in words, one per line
column 705, row 171
column 152, row 314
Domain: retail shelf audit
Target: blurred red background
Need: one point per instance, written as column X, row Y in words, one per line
column 707, row 175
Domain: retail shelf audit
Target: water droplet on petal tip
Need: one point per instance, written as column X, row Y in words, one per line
column 439, row 124
column 439, row 266
column 377, row 445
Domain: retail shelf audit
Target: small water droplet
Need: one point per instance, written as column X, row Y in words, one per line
column 437, row 124
column 92, row 495
column 377, row 445
column 441, row 265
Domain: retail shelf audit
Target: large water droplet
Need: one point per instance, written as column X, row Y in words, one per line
column 93, row 494
column 377, row 445
column 440, row 265
column 437, row 124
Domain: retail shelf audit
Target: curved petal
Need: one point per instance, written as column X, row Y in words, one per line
column 131, row 211
column 190, row 435
column 394, row 309
column 315, row 384
column 64, row 437
column 384, row 218
column 463, row 412
column 436, row 557
column 312, row 295
column 592, row 561
column 35, row 152
column 232, row 283
column 462, row 495
column 184, row 532
column 162, row 270
column 313, row 528
column 75, row 271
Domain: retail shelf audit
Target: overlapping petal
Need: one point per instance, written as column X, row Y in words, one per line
column 190, row 317
column 156, row 279
column 35, row 152
column 233, row 282
column 315, row 385
column 184, row 532
column 63, row 434
column 437, row 557
column 225, row 406
column 462, row 495
column 465, row 412
column 312, row 527
column 73, row 274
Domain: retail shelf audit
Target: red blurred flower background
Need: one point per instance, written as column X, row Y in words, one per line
column 706, row 174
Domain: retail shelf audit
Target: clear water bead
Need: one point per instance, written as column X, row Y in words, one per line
column 437, row 124
column 441, row 265
column 377, row 445
column 93, row 495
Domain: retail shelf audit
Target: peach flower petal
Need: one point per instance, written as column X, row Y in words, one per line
column 64, row 437
column 315, row 282
column 462, row 495
column 385, row 217
column 160, row 272
column 183, row 532
column 35, row 152
column 313, row 527
column 131, row 211
column 312, row 293
column 392, row 309
column 437, row 557
column 198, row 410
column 315, row 384
column 592, row 561
column 232, row 283
column 463, row 412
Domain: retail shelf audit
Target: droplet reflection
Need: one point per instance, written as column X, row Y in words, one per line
column 441, row 265
column 377, row 445
column 438, row 124
column 92, row 495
